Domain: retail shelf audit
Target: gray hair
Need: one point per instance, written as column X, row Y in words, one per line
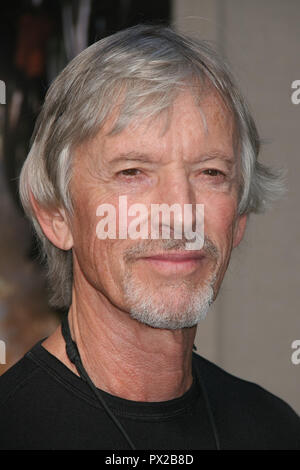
column 140, row 70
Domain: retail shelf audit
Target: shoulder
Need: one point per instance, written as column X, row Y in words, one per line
column 37, row 375
column 16, row 378
column 225, row 387
column 30, row 394
column 241, row 404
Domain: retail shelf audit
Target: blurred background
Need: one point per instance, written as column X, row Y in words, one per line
column 251, row 326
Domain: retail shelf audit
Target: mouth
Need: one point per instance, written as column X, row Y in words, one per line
column 175, row 263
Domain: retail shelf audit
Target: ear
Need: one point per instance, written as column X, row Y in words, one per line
column 54, row 224
column 239, row 230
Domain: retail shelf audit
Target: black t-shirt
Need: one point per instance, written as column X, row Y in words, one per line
column 44, row 405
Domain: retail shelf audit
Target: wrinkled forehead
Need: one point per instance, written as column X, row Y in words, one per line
column 191, row 118
column 200, row 98
column 175, row 151
column 192, row 130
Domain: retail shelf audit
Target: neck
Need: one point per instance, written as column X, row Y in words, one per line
column 129, row 359
column 125, row 357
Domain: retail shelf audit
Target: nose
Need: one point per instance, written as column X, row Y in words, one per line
column 177, row 195
column 175, row 187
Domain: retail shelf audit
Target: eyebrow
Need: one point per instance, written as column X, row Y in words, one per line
column 228, row 159
column 140, row 157
column 132, row 156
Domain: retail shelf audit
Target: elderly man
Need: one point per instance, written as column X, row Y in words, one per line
column 143, row 119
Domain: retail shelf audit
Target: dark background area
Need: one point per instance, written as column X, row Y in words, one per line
column 33, row 50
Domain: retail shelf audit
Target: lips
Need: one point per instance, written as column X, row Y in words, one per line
column 175, row 263
column 176, row 257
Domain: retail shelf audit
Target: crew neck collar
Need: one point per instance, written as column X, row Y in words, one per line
column 121, row 406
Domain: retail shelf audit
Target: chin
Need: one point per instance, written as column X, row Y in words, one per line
column 168, row 320
column 172, row 306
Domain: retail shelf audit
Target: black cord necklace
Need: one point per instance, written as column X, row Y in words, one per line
column 74, row 357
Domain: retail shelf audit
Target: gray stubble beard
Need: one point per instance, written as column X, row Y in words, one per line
column 149, row 307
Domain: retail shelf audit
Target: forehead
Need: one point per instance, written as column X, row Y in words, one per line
column 188, row 127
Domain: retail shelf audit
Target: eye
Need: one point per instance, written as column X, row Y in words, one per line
column 213, row 172
column 129, row 172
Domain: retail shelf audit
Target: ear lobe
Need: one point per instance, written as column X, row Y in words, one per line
column 239, row 230
column 54, row 223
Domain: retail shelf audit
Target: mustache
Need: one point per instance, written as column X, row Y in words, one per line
column 152, row 247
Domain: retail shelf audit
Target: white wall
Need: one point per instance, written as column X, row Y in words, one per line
column 256, row 317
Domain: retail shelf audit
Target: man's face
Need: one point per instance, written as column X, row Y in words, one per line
column 192, row 161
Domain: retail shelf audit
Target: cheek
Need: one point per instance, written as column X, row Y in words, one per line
column 100, row 260
column 87, row 247
column 84, row 226
column 87, row 215
column 219, row 217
